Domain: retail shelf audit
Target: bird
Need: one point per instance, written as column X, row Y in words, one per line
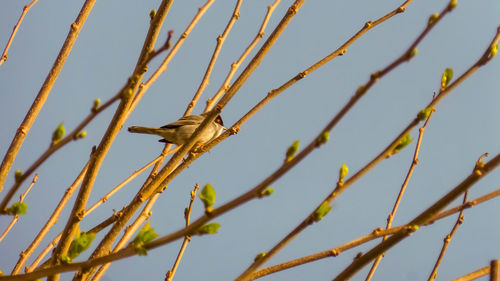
column 180, row 131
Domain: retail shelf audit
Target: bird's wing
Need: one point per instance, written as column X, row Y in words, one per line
column 188, row 120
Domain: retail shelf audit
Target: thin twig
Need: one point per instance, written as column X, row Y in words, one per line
column 187, row 216
column 235, row 65
column 14, row 31
column 39, row 101
column 447, row 240
column 16, row 217
column 474, row 275
column 390, row 218
column 220, row 41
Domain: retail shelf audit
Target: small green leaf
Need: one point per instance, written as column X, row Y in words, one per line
column 267, row 192
column 403, row 142
column 493, row 50
column 424, row 113
column 321, row 211
column 18, row 208
column 81, row 135
column 343, row 172
column 290, row 152
column 152, row 14
column 446, row 78
column 210, row 228
column 260, row 256
column 433, row 18
column 324, row 137
column 146, row 234
column 207, row 196
column 58, row 133
column 452, row 4
column 18, row 175
column 80, row 243
column 96, row 104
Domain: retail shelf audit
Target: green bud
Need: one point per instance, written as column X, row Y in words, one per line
column 260, row 256
column 64, row 259
column 452, row 4
column 81, row 135
column 433, row 18
column 267, row 192
column 152, row 14
column 493, row 50
column 446, row 78
column 210, row 228
column 58, row 133
column 343, row 172
column 290, row 153
column 412, row 53
column 207, row 196
column 321, row 211
column 80, row 243
column 324, row 137
column 96, row 104
column 18, row 208
column 403, row 142
column 424, row 113
column 18, row 175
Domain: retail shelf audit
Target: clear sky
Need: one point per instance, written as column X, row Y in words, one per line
column 465, row 125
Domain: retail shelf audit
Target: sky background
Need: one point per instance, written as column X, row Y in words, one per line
column 465, row 125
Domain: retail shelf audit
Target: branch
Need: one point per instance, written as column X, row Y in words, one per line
column 474, row 275
column 39, row 101
column 14, row 31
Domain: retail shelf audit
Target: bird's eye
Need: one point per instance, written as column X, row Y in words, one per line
column 218, row 120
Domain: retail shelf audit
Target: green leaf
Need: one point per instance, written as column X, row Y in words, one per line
column 18, row 175
column 424, row 113
column 80, row 243
column 433, row 18
column 403, row 142
column 210, row 228
column 18, row 208
column 146, row 234
column 290, row 152
column 343, row 172
column 446, row 78
column 58, row 133
column 207, row 195
column 260, row 256
column 324, row 137
column 321, row 211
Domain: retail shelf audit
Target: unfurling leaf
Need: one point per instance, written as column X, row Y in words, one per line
column 210, row 228
column 403, row 142
column 324, row 137
column 18, row 208
column 424, row 113
column 343, row 172
column 145, row 235
column 207, row 196
column 80, row 243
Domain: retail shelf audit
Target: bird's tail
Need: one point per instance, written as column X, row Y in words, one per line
column 143, row 130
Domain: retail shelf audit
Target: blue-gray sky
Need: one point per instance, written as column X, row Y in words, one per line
column 465, row 125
